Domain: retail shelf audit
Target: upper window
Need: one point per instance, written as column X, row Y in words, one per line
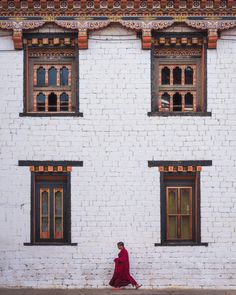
column 51, row 75
column 178, row 83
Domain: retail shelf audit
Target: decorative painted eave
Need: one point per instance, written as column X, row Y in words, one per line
column 118, row 7
column 142, row 16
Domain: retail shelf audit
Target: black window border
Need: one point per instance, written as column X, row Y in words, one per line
column 77, row 112
column 26, row 163
column 154, row 112
column 33, row 231
column 196, row 228
column 158, row 163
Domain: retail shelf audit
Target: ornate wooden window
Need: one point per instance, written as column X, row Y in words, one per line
column 50, row 206
column 180, row 211
column 178, row 74
column 51, row 74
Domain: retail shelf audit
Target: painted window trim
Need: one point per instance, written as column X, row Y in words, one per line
column 33, row 211
column 179, row 114
column 154, row 112
column 61, row 114
column 159, row 163
column 27, row 163
column 27, row 113
column 196, row 231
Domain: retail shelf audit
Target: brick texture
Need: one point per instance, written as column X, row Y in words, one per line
column 115, row 196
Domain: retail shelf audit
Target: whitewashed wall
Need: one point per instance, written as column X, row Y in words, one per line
column 115, row 196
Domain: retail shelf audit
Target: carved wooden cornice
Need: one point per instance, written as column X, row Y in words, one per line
column 83, row 27
column 17, row 27
column 212, row 26
column 117, row 7
column 145, row 25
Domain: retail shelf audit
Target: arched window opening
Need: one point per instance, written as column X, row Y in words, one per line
column 177, row 75
column 64, row 76
column 188, row 102
column 165, row 102
column 177, row 102
column 52, row 102
column 165, row 76
column 41, row 102
column 188, row 73
column 64, row 102
column 41, row 77
column 52, row 76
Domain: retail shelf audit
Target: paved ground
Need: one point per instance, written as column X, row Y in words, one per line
column 115, row 292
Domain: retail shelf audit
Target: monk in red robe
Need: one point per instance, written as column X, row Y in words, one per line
column 121, row 276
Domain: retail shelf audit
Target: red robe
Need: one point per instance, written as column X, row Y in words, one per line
column 121, row 276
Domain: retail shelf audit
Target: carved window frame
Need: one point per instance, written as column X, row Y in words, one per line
column 181, row 180
column 50, row 181
column 171, row 60
column 66, row 55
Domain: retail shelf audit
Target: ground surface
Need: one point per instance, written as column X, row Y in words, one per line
column 119, row 292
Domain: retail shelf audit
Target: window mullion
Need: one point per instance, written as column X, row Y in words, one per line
column 179, row 216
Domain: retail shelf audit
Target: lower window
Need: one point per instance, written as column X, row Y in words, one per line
column 180, row 208
column 51, row 208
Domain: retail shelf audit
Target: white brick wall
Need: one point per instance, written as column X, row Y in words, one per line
column 115, row 196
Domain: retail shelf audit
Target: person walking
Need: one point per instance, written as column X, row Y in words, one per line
column 121, row 276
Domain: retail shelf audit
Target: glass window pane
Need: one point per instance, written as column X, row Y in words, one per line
column 177, row 75
column 177, row 102
column 188, row 102
column 58, row 211
column 185, row 199
column 185, row 227
column 172, row 201
column 52, row 76
column 165, row 101
column 188, row 73
column 45, row 203
column 64, row 75
column 44, row 213
column 64, row 102
column 41, row 102
column 45, row 224
column 41, row 77
column 58, row 203
column 172, row 227
column 165, row 76
column 58, row 226
column 52, row 102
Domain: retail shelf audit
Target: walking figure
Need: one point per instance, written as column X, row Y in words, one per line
column 121, row 276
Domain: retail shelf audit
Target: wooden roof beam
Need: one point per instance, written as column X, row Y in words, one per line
column 110, row 3
column 176, row 3
column 203, row 3
column 5, row 4
column 230, row 3
column 189, row 4
column 43, row 3
column 137, row 4
column 17, row 3
column 83, row 4
column 149, row 3
column 97, row 4
column 123, row 4
column 163, row 3
column 217, row 3
column 70, row 3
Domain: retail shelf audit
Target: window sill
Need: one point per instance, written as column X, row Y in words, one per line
column 39, row 114
column 179, row 114
column 50, row 244
column 180, row 244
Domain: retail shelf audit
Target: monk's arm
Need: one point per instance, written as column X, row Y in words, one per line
column 122, row 258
